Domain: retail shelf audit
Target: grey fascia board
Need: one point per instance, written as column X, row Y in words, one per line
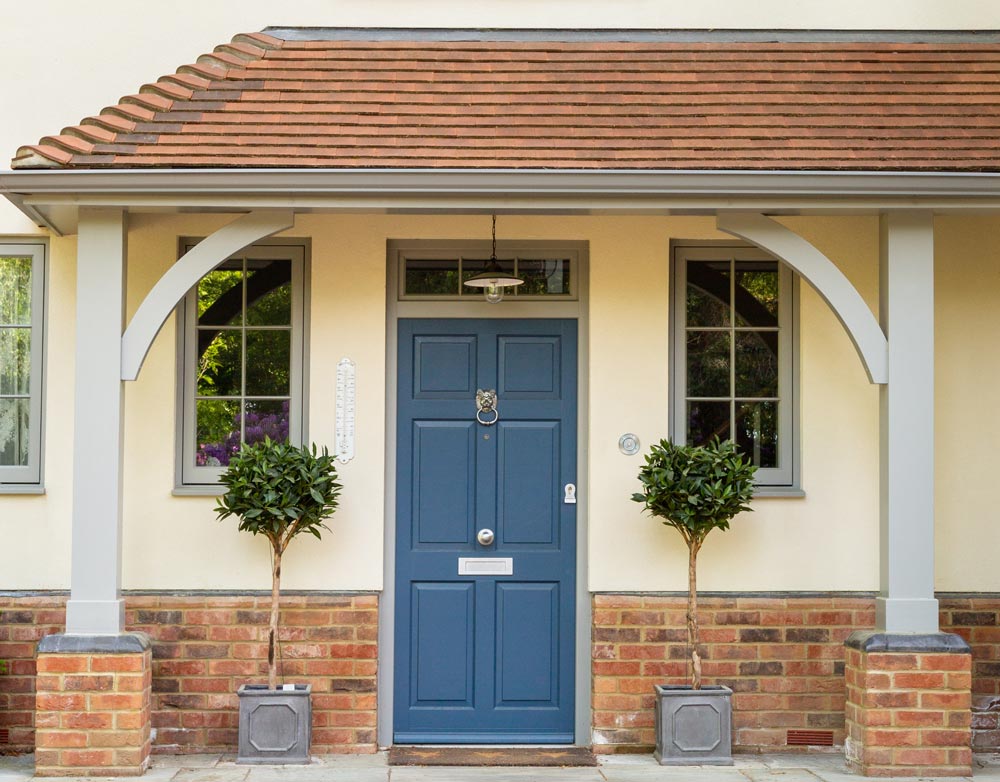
column 630, row 35
column 289, row 182
column 39, row 194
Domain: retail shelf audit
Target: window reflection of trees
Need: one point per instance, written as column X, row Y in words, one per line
column 444, row 277
column 15, row 359
column 231, row 379
column 734, row 301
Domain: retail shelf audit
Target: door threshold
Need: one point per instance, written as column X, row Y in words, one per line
column 490, row 755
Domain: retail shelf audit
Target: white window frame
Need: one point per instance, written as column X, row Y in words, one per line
column 27, row 479
column 194, row 479
column 785, row 478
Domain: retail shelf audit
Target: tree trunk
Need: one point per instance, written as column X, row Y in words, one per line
column 692, row 615
column 272, row 634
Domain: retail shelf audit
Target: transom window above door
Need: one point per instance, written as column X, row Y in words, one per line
column 437, row 270
column 733, row 366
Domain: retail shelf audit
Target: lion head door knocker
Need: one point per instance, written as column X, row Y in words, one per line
column 486, row 403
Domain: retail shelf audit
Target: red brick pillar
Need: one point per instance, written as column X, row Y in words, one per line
column 93, row 705
column 908, row 705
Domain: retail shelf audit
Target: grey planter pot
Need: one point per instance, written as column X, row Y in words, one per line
column 694, row 727
column 275, row 725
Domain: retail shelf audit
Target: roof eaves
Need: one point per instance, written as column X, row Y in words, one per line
column 41, row 156
column 61, row 151
column 281, row 34
column 463, row 182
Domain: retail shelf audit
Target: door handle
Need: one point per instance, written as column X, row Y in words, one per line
column 485, row 537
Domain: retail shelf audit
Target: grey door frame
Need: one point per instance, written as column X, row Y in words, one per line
column 539, row 308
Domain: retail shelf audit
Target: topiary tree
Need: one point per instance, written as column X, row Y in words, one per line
column 695, row 489
column 279, row 491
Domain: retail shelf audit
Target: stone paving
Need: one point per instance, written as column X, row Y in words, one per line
column 612, row 768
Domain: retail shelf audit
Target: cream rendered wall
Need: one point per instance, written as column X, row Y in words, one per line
column 827, row 540
column 967, row 410
column 174, row 542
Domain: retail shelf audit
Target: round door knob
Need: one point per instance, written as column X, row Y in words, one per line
column 485, row 537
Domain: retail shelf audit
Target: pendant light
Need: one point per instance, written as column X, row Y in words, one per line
column 493, row 279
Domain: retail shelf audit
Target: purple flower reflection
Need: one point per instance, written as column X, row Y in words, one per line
column 259, row 425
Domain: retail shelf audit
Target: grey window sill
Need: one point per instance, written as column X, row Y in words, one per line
column 21, row 488
column 198, row 491
column 778, row 492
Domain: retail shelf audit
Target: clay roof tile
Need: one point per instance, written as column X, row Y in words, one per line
column 264, row 101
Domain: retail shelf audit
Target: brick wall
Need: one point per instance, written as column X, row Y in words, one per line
column 782, row 655
column 204, row 647
column 908, row 713
column 93, row 712
column 977, row 620
column 783, row 658
column 24, row 621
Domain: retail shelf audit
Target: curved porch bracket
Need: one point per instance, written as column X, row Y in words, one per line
column 836, row 290
column 189, row 268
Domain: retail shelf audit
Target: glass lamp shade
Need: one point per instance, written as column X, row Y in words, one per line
column 492, row 281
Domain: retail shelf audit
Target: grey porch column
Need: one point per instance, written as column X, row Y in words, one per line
column 906, row 602
column 95, row 606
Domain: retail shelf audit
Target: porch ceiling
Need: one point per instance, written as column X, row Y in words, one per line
column 597, row 103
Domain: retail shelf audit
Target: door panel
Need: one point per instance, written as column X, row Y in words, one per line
column 529, row 367
column 444, row 482
column 527, row 469
column 444, row 366
column 485, row 658
column 442, row 651
column 528, row 645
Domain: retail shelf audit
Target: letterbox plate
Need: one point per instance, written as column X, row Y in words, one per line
column 482, row 566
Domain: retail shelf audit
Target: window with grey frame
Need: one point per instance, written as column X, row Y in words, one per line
column 22, row 320
column 243, row 359
column 734, row 363
column 437, row 269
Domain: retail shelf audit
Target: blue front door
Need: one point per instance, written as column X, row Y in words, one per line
column 485, row 630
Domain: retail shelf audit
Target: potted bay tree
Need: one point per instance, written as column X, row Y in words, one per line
column 279, row 491
column 695, row 489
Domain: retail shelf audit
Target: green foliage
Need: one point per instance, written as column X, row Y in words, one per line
column 279, row 490
column 696, row 489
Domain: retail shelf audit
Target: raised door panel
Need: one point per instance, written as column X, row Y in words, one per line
column 527, row 640
column 443, row 485
column 528, row 483
column 529, row 367
column 444, row 367
column 442, row 660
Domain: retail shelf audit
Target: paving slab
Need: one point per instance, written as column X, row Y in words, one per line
column 492, row 774
column 375, row 760
column 673, row 774
column 14, row 768
column 206, row 760
column 317, row 773
column 217, row 774
column 827, row 760
column 613, row 768
column 780, row 774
